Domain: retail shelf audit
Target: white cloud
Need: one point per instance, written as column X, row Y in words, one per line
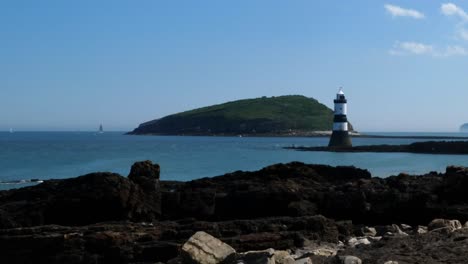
column 454, row 51
column 450, row 9
column 397, row 11
column 402, row 48
column 415, row 48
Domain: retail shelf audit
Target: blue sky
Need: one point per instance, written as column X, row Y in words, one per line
column 71, row 65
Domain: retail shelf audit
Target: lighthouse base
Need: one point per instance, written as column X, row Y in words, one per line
column 340, row 139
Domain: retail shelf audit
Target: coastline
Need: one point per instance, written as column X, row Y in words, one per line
column 426, row 147
column 353, row 134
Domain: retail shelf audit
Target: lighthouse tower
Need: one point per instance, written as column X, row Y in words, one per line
column 340, row 136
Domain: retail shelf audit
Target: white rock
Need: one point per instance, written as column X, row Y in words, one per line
column 364, row 241
column 391, row 262
column 303, row 261
column 456, row 224
column 439, row 223
column 258, row 256
column 406, row 227
column 350, row 260
column 397, row 230
column 358, row 241
column 375, row 238
column 352, row 241
column 203, row 248
column 283, row 257
column 324, row 251
column 421, row 230
column 444, row 230
column 368, row 231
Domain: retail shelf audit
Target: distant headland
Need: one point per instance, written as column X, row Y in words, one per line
column 464, row 127
column 290, row 115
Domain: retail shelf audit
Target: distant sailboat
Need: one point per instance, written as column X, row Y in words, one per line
column 11, row 130
column 100, row 129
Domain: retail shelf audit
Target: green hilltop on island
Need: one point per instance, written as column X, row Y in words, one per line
column 290, row 115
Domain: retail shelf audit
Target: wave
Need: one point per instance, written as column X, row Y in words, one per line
column 22, row 181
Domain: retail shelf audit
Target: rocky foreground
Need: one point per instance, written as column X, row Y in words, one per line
column 284, row 213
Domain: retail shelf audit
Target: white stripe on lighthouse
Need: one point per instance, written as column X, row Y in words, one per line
column 340, row 109
column 341, row 126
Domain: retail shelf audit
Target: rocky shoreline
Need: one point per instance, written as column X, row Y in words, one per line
column 427, row 147
column 284, row 213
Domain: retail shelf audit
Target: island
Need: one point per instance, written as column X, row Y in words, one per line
column 426, row 147
column 290, row 115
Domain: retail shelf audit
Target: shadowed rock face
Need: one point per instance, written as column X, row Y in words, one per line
column 277, row 190
column 87, row 199
column 276, row 207
column 124, row 242
column 342, row 193
column 293, row 189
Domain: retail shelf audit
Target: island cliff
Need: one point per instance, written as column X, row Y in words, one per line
column 283, row 115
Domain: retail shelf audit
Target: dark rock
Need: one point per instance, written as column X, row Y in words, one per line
column 341, row 193
column 276, row 207
column 256, row 257
column 293, row 189
column 427, row 147
column 87, row 199
column 277, row 190
column 145, row 174
column 126, row 242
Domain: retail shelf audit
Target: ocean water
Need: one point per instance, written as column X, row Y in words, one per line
column 47, row 155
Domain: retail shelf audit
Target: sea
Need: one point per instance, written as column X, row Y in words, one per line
column 38, row 156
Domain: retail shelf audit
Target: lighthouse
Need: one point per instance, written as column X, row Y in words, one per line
column 340, row 135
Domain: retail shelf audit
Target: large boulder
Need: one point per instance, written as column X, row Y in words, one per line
column 145, row 174
column 203, row 248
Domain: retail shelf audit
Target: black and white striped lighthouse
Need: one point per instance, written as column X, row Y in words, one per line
column 340, row 135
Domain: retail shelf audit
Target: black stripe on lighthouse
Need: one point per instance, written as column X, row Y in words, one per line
column 340, row 101
column 340, row 119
